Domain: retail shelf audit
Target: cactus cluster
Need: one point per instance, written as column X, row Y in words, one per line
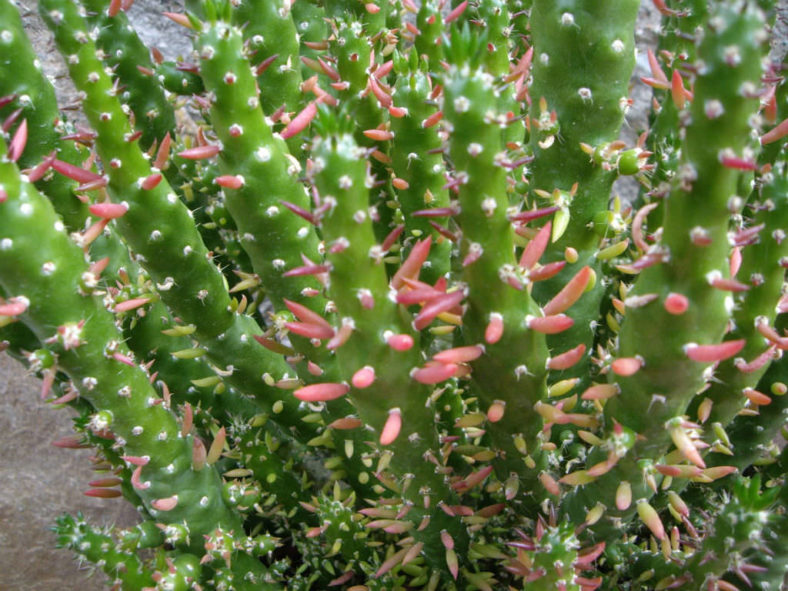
column 346, row 298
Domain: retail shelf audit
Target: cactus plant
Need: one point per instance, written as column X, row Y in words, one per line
column 347, row 298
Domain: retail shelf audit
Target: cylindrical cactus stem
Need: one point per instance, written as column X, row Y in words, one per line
column 497, row 318
column 131, row 63
column 694, row 237
column 753, row 437
column 389, row 387
column 430, row 26
column 757, row 264
column 43, row 269
column 745, row 541
column 416, row 160
column 167, row 242
column 97, row 546
column 21, row 77
column 270, row 31
column 269, row 208
column 310, row 22
column 582, row 62
column 257, row 173
column 664, row 358
column 583, row 57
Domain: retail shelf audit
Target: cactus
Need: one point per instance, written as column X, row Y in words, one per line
column 376, row 318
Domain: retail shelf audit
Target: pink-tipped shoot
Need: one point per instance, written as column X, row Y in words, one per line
column 165, row 504
column 460, row 354
column 549, row 324
column 713, row 353
column 494, row 330
column 321, row 392
column 392, row 427
column 434, row 374
column 364, row 377
column 400, row 342
column 626, row 366
column 676, row 304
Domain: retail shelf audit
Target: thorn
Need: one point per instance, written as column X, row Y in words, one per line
column 321, row 392
column 451, row 17
column 300, row 121
column 434, row 374
column 70, row 442
column 656, row 70
column 36, row 173
column 215, row 451
column 567, row 359
column 11, row 119
column 131, row 304
column 311, row 269
column 494, row 330
column 730, row 160
column 400, row 342
column 676, row 303
column 346, row 423
column 412, row 265
column 650, row 517
column 180, row 19
column 380, row 135
column 460, row 354
column 637, row 226
column 432, row 120
column 136, row 481
column 364, row 377
column 200, row 152
column 436, row 306
column 314, row 369
column 400, row 184
column 263, row 65
column 626, row 366
column 199, row 454
column 570, row 293
column 549, row 324
column 496, row 411
column 18, row 143
column 188, row 420
column 623, row 495
column 328, row 70
column 392, row 427
column 398, row 112
column 716, row 280
column 391, row 563
column 776, row 133
column 677, row 91
column 392, row 237
column 124, row 359
column 75, row 173
column 435, row 212
column 713, row 353
column 165, row 504
column 273, row 345
column 14, row 306
column 301, row 212
column 383, row 97
column 341, row 336
column 306, row 315
column 536, row 247
column 102, row 493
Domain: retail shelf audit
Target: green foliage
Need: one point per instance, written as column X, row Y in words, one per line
column 350, row 300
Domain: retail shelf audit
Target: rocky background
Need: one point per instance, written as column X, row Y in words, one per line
column 38, row 482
